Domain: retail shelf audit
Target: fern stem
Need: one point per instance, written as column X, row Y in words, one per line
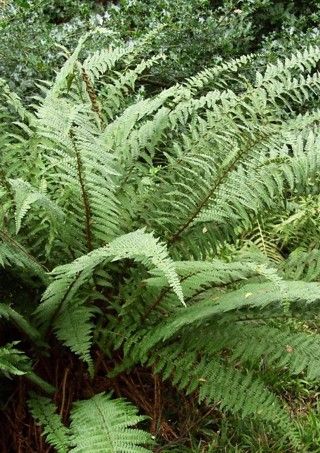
column 44, row 385
column 84, row 194
column 159, row 299
column 202, row 290
column 5, row 184
column 64, row 384
column 24, row 325
column 262, row 238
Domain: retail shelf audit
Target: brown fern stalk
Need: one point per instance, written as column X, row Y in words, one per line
column 95, row 106
column 84, row 194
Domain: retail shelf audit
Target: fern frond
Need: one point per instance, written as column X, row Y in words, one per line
column 303, row 265
column 113, row 93
column 104, row 424
column 252, row 295
column 255, row 343
column 14, row 253
column 233, row 389
column 101, row 61
column 218, row 76
column 265, row 240
column 61, row 80
column 196, row 277
column 13, row 101
column 74, row 326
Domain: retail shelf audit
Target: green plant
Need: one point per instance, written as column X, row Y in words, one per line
column 119, row 209
column 194, row 33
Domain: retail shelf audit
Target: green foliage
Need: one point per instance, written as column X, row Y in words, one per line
column 131, row 215
column 193, row 35
column 32, row 30
column 201, row 32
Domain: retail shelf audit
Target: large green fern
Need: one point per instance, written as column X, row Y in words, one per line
column 139, row 220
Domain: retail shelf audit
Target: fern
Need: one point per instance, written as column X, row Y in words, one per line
column 169, row 227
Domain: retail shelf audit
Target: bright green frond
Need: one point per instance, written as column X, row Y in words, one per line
column 103, row 424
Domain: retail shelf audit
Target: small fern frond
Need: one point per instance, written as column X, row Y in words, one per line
column 303, row 265
column 26, row 196
column 74, row 326
column 262, row 237
column 13, row 361
column 141, row 246
column 61, row 80
column 58, row 303
column 13, row 101
column 103, row 424
column 43, row 411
